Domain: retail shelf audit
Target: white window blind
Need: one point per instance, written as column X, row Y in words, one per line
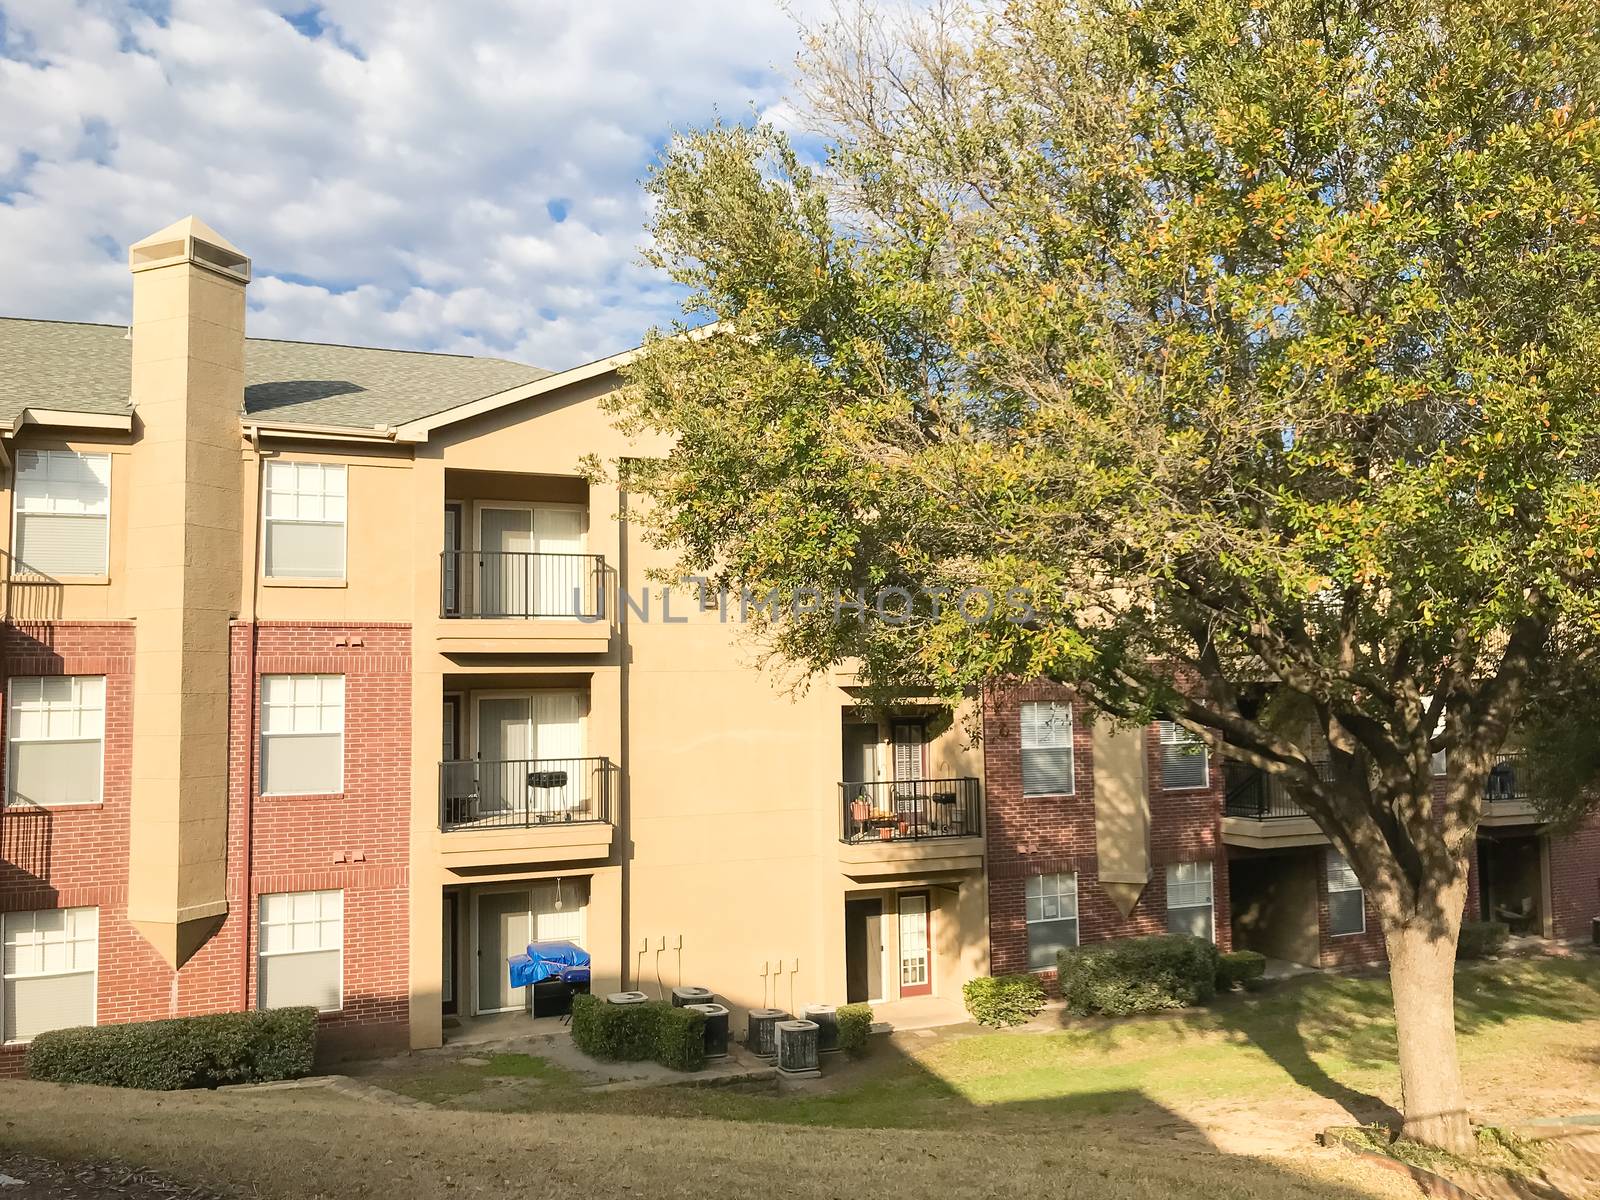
column 50, row 959
column 305, row 520
column 302, row 734
column 56, row 735
column 1189, row 899
column 301, row 957
column 1052, row 917
column 1347, row 909
column 1183, row 758
column 63, row 513
column 1046, row 749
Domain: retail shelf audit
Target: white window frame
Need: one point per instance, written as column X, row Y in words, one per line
column 1341, row 877
column 261, row 938
column 276, row 466
column 289, row 734
column 17, row 510
column 1059, row 895
column 1057, row 707
column 1211, row 889
column 93, row 972
column 1173, row 734
column 77, row 707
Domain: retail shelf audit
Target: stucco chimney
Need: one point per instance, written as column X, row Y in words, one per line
column 184, row 549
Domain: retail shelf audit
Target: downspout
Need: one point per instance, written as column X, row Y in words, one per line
column 251, row 598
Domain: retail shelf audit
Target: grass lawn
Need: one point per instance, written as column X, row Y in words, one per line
column 1252, row 1070
column 1211, row 1104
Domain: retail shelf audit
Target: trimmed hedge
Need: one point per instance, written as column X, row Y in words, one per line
column 681, row 1039
column 1480, row 939
column 673, row 1037
column 855, row 1027
column 186, row 1052
column 1000, row 1000
column 1241, row 968
column 1137, row 975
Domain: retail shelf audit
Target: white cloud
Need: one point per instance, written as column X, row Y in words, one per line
column 457, row 176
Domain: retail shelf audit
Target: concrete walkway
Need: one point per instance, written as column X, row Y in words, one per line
column 918, row 1012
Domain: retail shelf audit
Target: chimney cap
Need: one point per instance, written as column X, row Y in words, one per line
column 191, row 240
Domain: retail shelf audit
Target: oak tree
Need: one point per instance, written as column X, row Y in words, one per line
column 1236, row 360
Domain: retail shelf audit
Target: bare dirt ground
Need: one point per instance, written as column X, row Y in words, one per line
column 27, row 1177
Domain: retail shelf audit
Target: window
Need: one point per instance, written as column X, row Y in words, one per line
column 302, row 734
column 56, row 733
column 50, row 960
column 301, row 960
column 305, row 511
column 1347, row 908
column 1046, row 749
column 1052, row 912
column 1189, row 899
column 63, row 512
column 1183, row 758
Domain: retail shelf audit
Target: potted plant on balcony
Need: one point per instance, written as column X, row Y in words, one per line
column 860, row 810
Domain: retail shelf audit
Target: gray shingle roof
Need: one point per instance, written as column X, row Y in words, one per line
column 85, row 368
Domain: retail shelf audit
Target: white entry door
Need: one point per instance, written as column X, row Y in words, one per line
column 916, row 978
column 532, row 561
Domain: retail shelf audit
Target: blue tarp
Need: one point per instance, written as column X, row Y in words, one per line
column 568, row 954
column 548, row 960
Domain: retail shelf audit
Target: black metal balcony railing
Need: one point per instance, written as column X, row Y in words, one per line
column 1257, row 796
column 1260, row 797
column 524, row 792
column 1504, row 784
column 910, row 810
column 514, row 584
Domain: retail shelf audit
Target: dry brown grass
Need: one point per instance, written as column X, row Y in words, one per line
column 313, row 1143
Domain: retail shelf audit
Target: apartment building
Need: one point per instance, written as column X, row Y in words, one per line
column 1097, row 833
column 329, row 678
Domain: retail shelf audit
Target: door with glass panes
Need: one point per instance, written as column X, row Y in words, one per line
column 526, row 742
column 531, row 561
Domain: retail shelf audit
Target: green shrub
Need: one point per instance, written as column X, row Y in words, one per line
column 855, row 1027
column 673, row 1037
column 681, row 1039
column 1480, row 939
column 1239, row 968
column 1000, row 1000
column 187, row 1052
column 1136, row 975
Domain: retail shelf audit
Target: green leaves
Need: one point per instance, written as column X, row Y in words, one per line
column 1258, row 339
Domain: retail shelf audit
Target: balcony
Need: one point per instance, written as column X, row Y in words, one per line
column 526, row 810
column 910, row 825
column 500, row 601
column 1506, row 800
column 1257, row 811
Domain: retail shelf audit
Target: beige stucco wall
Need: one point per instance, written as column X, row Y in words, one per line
column 726, row 858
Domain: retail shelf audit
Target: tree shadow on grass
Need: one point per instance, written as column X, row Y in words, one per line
column 1348, row 1020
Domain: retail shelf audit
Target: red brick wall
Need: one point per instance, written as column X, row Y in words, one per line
column 1031, row 835
column 1575, row 881
column 1345, row 949
column 356, row 841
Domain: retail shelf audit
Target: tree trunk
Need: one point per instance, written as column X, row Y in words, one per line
column 1422, row 960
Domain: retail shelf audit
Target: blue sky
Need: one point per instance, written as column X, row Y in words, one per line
column 456, row 176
